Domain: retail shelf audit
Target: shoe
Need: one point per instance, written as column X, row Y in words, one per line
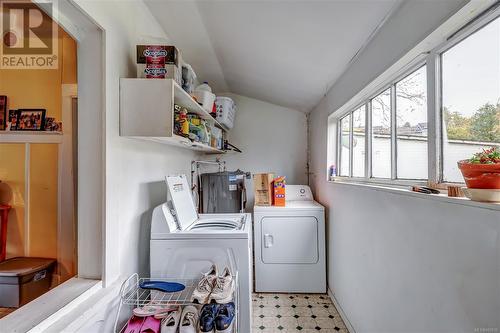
column 170, row 323
column 225, row 318
column 153, row 309
column 205, row 286
column 207, row 318
column 134, row 324
column 151, row 325
column 223, row 289
column 189, row 320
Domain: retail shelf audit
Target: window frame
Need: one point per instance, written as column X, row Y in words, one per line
column 460, row 35
column 432, row 60
column 366, row 103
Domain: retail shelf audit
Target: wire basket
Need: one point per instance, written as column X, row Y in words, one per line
column 132, row 295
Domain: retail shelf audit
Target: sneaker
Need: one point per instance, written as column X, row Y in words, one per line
column 223, row 289
column 205, row 286
column 225, row 318
column 207, row 318
column 189, row 320
column 170, row 323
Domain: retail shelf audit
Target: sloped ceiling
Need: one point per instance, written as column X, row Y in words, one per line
column 284, row 52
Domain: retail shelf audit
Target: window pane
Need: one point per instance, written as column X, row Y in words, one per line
column 411, row 129
column 358, row 142
column 344, row 145
column 381, row 135
column 471, row 97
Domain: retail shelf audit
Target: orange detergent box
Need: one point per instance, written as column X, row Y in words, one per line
column 279, row 191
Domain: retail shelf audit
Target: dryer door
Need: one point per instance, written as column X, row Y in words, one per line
column 289, row 240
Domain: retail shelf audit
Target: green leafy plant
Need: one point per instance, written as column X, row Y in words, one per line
column 487, row 156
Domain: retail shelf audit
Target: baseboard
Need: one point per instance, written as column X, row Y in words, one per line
column 341, row 311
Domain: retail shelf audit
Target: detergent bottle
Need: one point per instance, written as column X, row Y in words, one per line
column 184, row 121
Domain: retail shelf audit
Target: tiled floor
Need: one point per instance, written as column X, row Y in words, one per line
column 295, row 313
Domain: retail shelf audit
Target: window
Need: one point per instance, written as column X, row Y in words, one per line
column 410, row 111
column 345, row 125
column 411, row 129
column 470, row 97
column 381, row 135
column 358, row 142
column 419, row 135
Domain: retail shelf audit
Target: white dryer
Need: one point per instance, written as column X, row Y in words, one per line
column 184, row 244
column 289, row 244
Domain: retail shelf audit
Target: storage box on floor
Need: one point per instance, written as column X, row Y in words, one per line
column 23, row 279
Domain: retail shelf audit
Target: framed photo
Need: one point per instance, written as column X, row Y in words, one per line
column 30, row 120
column 3, row 112
column 12, row 120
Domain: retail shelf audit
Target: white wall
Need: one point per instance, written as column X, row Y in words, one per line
column 398, row 263
column 134, row 169
column 272, row 138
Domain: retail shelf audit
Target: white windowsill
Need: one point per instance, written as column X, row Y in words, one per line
column 47, row 306
column 403, row 190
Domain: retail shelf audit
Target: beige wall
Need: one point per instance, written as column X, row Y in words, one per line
column 12, row 193
column 35, row 89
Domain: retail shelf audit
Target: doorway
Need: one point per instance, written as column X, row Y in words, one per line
column 38, row 175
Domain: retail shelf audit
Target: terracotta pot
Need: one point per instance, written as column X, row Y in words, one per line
column 480, row 175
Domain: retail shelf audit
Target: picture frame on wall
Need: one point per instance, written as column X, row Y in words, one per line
column 3, row 112
column 30, row 120
column 12, row 120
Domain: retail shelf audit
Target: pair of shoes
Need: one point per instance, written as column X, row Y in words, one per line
column 154, row 309
column 147, row 324
column 186, row 322
column 213, row 287
column 217, row 316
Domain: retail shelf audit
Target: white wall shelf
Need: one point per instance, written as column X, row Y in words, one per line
column 147, row 112
column 179, row 141
column 30, row 137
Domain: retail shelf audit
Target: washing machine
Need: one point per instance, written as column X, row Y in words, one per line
column 289, row 244
column 184, row 244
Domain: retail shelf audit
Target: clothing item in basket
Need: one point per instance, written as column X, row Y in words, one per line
column 166, row 287
column 154, row 309
column 225, row 318
column 134, row 324
column 151, row 325
column 207, row 317
column 223, row 288
column 170, row 323
column 189, row 319
column 205, row 286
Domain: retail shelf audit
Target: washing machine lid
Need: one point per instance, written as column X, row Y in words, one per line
column 185, row 210
column 182, row 200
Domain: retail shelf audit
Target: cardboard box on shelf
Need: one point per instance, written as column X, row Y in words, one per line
column 167, row 71
column 262, row 183
column 159, row 62
column 158, row 54
column 279, row 191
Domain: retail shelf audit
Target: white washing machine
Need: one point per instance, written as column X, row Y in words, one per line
column 289, row 244
column 184, row 244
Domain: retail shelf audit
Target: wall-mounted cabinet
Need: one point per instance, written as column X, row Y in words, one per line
column 147, row 112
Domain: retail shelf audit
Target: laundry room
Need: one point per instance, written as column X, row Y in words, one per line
column 217, row 166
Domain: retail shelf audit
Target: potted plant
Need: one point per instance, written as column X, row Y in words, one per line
column 482, row 171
